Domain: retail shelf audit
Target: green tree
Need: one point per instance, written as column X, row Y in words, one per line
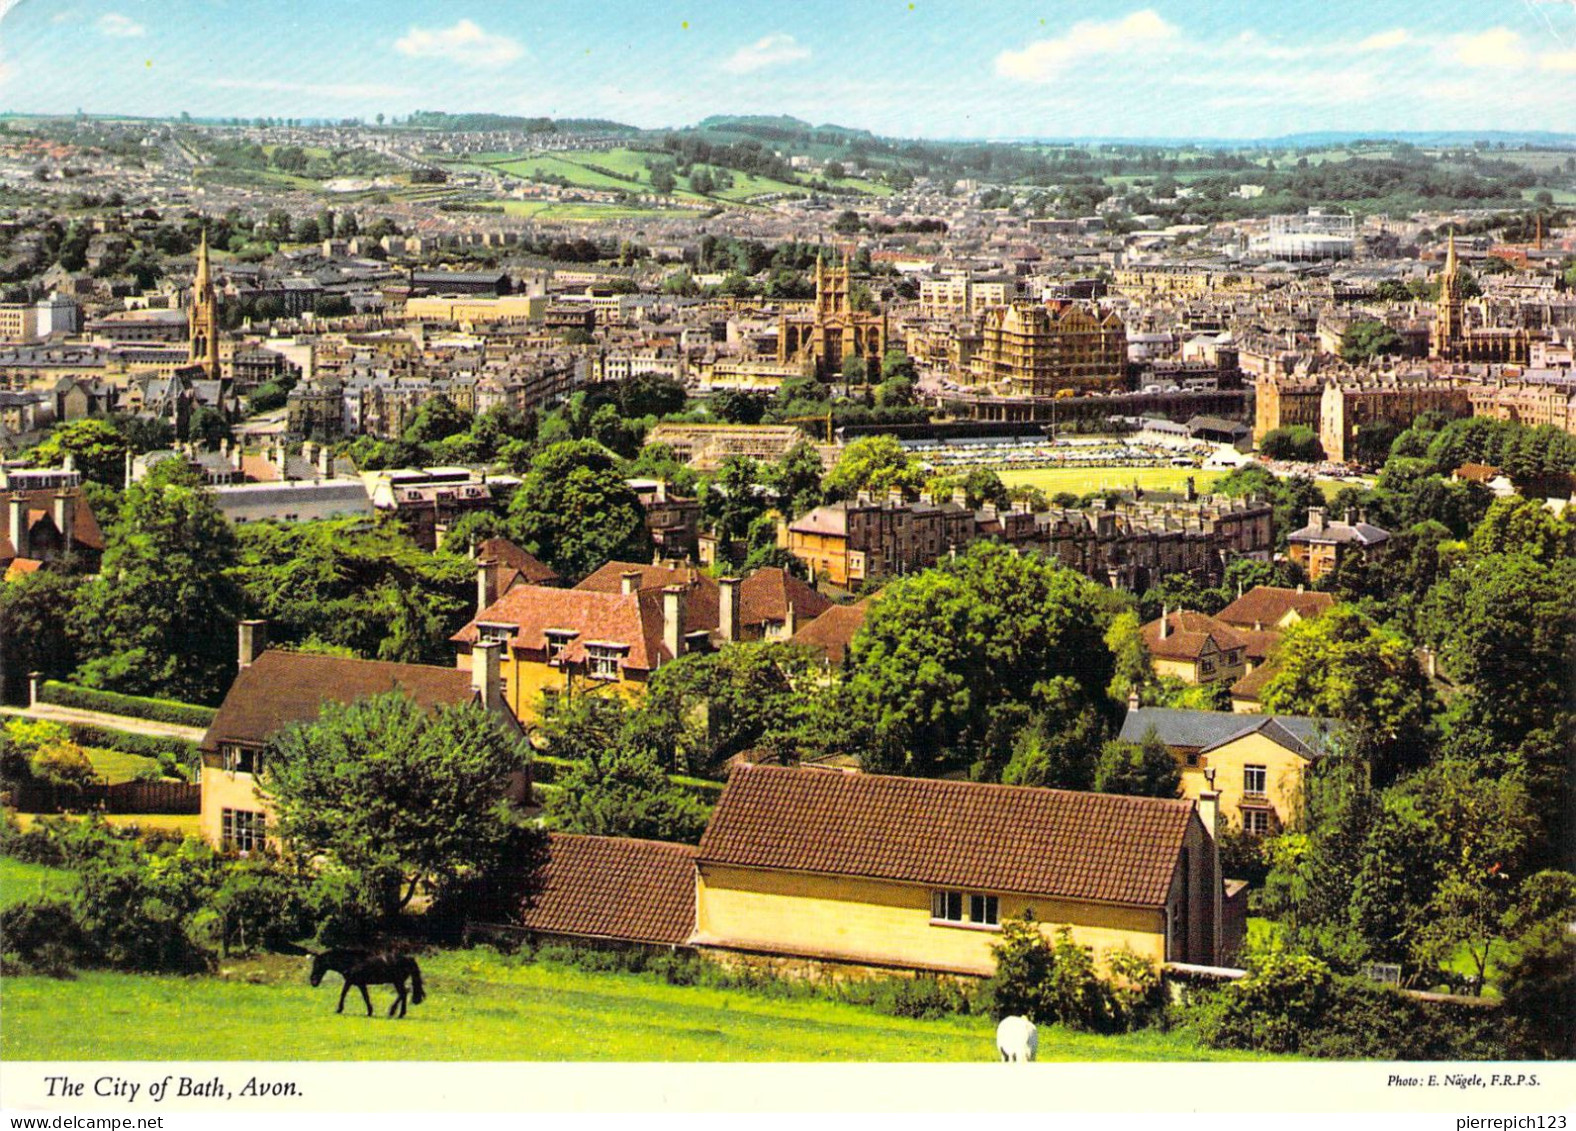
column 394, row 795
column 575, row 512
column 160, row 617
column 1343, row 666
column 437, row 418
column 1138, row 769
column 94, row 444
column 33, row 608
column 1366, row 339
column 875, row 464
column 796, row 478
column 624, row 792
column 1514, row 525
column 945, row 650
column 1298, row 442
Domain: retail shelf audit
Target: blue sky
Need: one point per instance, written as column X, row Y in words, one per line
column 918, row 69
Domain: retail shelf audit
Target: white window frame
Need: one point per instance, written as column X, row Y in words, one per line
column 558, row 639
column 245, row 830
column 602, row 661
column 1262, row 774
column 979, row 911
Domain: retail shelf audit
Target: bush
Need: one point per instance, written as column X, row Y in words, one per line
column 63, row 763
column 1057, row 982
column 135, row 706
column 42, row 935
column 26, row 737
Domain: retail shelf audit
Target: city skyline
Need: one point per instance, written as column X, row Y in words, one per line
column 905, row 69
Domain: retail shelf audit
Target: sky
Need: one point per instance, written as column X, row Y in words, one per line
column 904, row 68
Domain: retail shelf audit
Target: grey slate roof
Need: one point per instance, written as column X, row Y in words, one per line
column 1206, row 730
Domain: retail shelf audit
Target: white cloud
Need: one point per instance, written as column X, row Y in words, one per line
column 1384, row 40
column 770, row 51
column 1496, row 47
column 327, row 90
column 117, row 26
column 463, row 43
column 1042, row 60
column 1557, row 61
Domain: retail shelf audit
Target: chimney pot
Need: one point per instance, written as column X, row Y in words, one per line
column 66, row 519
column 18, row 524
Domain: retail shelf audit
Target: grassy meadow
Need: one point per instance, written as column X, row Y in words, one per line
column 481, row 1006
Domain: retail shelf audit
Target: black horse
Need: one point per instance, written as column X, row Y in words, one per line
column 361, row 969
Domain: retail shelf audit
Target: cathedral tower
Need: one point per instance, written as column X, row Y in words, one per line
column 1447, row 310
column 204, row 315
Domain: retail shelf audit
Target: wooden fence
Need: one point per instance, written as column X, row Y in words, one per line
column 124, row 797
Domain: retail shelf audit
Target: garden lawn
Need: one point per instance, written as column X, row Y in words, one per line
column 20, row 880
column 116, row 766
column 187, row 824
column 483, row 1007
column 1082, row 480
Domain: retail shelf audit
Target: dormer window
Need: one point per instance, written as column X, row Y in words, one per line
column 494, row 633
column 602, row 660
column 557, row 640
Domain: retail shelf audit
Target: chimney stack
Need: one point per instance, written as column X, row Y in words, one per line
column 1209, row 816
column 254, row 639
column 728, row 609
column 1316, row 517
column 673, row 619
column 18, row 524
column 66, row 518
column 629, row 582
column 1132, row 699
column 486, row 584
column 791, row 621
column 325, row 461
column 1165, row 621
column 895, row 495
column 485, row 678
column 1192, row 490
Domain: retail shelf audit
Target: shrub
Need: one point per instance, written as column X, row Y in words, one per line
column 1023, row 965
column 926, row 997
column 136, row 706
column 63, row 763
column 43, row 935
column 1282, row 996
column 1137, row 995
column 26, row 737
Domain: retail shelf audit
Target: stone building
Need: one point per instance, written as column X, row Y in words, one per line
column 1031, row 349
column 833, row 331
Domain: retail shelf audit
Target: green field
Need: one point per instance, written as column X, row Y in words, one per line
column 1082, row 480
column 187, row 824
column 483, row 1007
column 578, row 211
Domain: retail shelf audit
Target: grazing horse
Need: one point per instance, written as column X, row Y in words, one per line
column 361, row 969
column 1017, row 1039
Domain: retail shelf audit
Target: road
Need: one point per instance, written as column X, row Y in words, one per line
column 55, row 714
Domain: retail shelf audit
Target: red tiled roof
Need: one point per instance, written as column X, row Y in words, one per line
column 832, row 631
column 1266, row 604
column 701, row 604
column 1251, row 686
column 1190, row 631
column 287, row 687
column 41, row 505
column 605, row 618
column 513, row 564
column 766, row 594
column 1047, row 842
column 615, row 888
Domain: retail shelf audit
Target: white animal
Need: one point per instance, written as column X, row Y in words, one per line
column 1017, row 1039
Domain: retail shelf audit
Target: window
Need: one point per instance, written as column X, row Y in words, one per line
column 557, row 640
column 603, row 661
column 1253, row 779
column 1191, row 758
column 1255, row 822
column 243, row 830
column 947, row 907
column 240, row 759
column 983, row 909
column 494, row 633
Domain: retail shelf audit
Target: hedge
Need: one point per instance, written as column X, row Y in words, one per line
column 547, row 770
column 134, row 706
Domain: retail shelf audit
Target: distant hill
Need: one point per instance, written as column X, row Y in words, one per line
column 439, row 120
column 1316, row 139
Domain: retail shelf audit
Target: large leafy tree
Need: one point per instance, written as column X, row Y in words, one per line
column 1343, row 666
column 575, row 512
column 160, row 617
column 32, row 610
column 95, row 445
column 946, row 651
column 1138, row 769
column 394, row 795
column 875, row 464
column 367, row 588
